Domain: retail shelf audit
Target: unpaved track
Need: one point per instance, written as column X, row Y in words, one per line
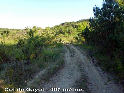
column 98, row 81
column 66, row 78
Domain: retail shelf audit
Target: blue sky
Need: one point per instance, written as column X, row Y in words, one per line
column 43, row 13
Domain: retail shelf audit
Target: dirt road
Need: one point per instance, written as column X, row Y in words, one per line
column 66, row 78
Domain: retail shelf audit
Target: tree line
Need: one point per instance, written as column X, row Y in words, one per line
column 106, row 32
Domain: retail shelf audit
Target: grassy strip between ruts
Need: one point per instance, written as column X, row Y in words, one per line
column 46, row 74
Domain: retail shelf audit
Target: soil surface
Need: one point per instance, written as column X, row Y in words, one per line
column 64, row 81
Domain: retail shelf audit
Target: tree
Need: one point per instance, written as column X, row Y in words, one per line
column 121, row 2
column 32, row 31
column 104, row 25
column 4, row 34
